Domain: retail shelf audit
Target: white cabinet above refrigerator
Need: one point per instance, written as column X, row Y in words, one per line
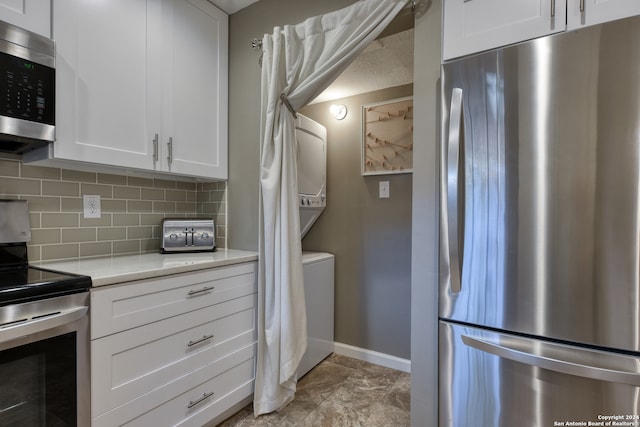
column 472, row 26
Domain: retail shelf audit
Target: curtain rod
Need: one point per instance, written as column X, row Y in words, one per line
column 256, row 43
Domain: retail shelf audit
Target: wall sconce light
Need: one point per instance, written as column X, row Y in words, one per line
column 338, row 111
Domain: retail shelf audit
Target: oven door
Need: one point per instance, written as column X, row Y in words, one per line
column 44, row 362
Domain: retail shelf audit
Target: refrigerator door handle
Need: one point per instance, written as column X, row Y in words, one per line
column 554, row 363
column 456, row 139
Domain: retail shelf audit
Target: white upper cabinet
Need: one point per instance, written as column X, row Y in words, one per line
column 476, row 25
column 32, row 15
column 196, row 86
column 141, row 85
column 472, row 26
column 106, row 102
column 581, row 13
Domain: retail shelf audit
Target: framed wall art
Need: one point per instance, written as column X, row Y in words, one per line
column 387, row 137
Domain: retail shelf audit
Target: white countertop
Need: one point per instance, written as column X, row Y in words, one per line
column 125, row 268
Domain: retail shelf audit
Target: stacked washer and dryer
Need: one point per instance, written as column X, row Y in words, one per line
column 318, row 267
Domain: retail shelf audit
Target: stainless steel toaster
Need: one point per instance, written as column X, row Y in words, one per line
column 188, row 234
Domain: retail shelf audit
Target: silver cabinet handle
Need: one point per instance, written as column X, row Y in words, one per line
column 203, row 339
column 522, row 355
column 581, row 5
column 155, row 148
column 553, row 8
column 456, row 140
column 202, row 399
column 170, row 150
column 201, row 291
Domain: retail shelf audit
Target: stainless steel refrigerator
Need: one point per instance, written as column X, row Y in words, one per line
column 540, row 232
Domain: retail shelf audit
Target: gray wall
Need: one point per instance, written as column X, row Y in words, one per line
column 370, row 237
column 424, row 286
column 244, row 106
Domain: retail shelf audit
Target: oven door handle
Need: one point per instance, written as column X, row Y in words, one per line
column 41, row 323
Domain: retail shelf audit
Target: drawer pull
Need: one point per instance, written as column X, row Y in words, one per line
column 200, row 291
column 203, row 339
column 202, row 399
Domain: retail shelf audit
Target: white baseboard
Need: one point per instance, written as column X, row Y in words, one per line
column 371, row 356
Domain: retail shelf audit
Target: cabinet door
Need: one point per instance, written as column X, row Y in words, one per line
column 589, row 12
column 475, row 25
column 195, row 104
column 103, row 94
column 32, row 15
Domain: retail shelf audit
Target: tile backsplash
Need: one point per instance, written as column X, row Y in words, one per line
column 132, row 208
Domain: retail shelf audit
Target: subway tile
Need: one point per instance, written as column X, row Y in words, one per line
column 34, row 219
column 175, row 195
column 9, row 168
column 19, row 186
column 126, row 219
column 149, row 245
column 208, row 186
column 43, row 204
column 220, row 220
column 151, row 219
column 57, row 188
column 139, row 206
column 217, row 196
column 126, row 246
column 59, row 220
column 164, row 183
column 71, row 204
column 101, row 190
column 112, row 233
column 152, row 194
column 76, row 235
column 33, row 253
column 51, row 252
column 126, row 193
column 167, row 207
column 95, row 249
column 210, row 208
column 113, row 205
column 134, row 181
column 157, row 232
column 186, row 185
column 105, row 178
column 45, row 236
column 139, row 232
column 203, row 196
column 185, row 207
column 40, row 172
column 79, row 176
column 190, row 196
column 103, row 221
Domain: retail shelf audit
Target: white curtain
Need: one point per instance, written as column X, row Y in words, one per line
column 299, row 62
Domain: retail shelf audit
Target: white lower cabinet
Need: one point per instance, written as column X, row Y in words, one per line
column 184, row 353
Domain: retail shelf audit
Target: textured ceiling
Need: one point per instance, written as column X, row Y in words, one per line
column 232, row 6
column 386, row 62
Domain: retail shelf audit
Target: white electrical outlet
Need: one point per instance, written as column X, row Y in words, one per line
column 91, row 205
column 383, row 190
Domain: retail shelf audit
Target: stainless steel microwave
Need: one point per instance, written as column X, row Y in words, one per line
column 27, row 89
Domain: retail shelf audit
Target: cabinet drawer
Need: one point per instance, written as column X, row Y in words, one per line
column 122, row 307
column 203, row 395
column 132, row 363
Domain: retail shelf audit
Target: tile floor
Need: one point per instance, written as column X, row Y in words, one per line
column 340, row 392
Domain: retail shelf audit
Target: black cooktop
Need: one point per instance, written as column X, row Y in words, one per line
column 20, row 282
column 23, row 284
